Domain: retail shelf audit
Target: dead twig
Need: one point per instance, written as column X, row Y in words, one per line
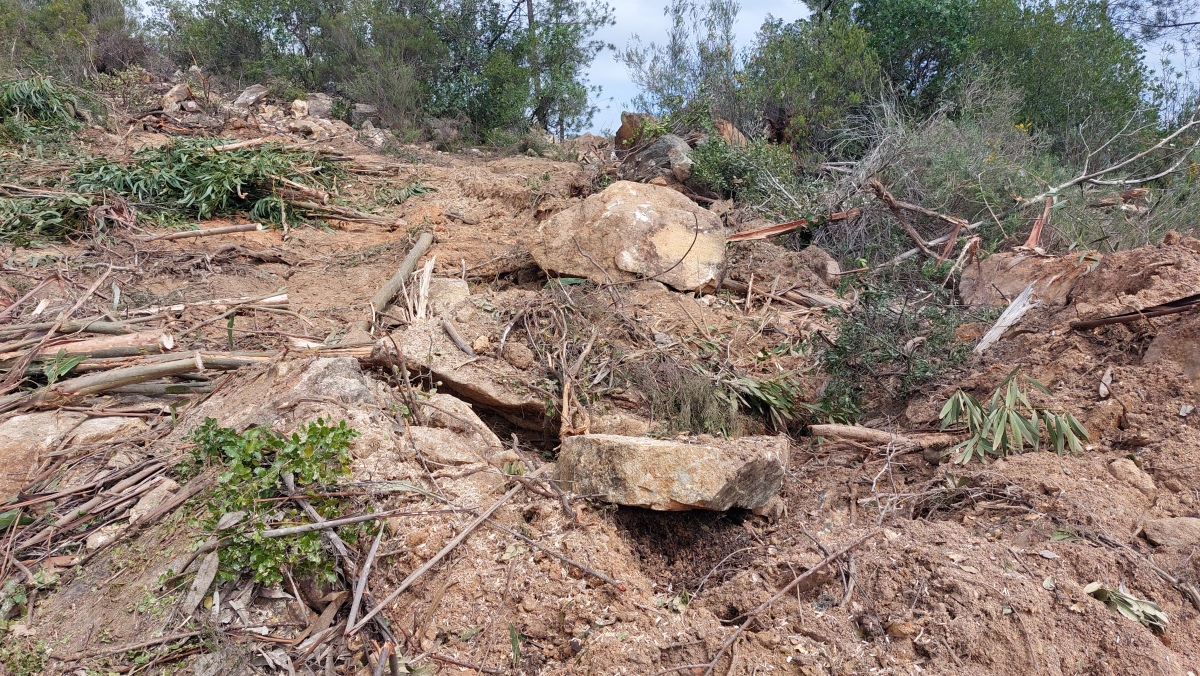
column 886, row 197
column 191, row 234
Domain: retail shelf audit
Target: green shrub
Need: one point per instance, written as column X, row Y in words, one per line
column 809, row 77
column 899, row 337
column 250, row 479
column 759, row 173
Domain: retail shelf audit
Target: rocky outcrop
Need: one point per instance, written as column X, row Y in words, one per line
column 675, row 475
column 667, row 157
column 632, row 231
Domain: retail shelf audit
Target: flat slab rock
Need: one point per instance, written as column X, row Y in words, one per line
column 675, row 475
column 1181, row 531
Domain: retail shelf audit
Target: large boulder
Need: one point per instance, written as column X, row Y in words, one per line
column 675, row 475
column 631, row 231
column 319, row 105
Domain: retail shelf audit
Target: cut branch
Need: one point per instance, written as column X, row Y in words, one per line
column 884, row 196
column 189, row 234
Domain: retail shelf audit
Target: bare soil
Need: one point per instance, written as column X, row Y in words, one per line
column 975, row 569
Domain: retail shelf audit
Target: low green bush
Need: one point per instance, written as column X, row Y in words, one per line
column 250, row 479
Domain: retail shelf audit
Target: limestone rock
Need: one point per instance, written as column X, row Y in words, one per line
column 287, row 393
column 621, row 424
column 306, row 127
column 176, row 95
column 668, row 156
column 632, row 230
column 445, row 447
column 251, row 96
column 106, row 430
column 152, row 499
column 103, row 536
column 376, row 138
column 320, row 105
column 675, row 475
column 445, row 293
column 1181, row 531
column 485, row 381
column 362, row 112
column 1126, row 470
column 452, row 413
column 299, row 108
column 23, row 437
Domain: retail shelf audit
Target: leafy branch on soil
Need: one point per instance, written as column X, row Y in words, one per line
column 36, row 104
column 251, row 481
column 1139, row 610
column 1001, row 427
column 192, row 178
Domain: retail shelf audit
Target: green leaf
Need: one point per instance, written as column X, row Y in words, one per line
column 7, row 518
column 515, row 639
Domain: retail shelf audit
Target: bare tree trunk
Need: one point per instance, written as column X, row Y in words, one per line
column 534, row 74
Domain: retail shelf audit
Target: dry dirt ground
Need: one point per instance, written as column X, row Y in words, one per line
column 976, row 569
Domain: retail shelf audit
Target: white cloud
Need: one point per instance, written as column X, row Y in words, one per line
column 648, row 20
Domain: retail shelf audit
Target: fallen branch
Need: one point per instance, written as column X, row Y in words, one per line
column 274, row 299
column 777, row 229
column 1173, row 307
column 17, row 373
column 1012, row 314
column 881, row 438
column 67, row 328
column 795, row 296
column 886, row 197
column 383, row 298
column 241, row 144
column 456, row 338
column 189, row 234
column 65, row 391
column 130, row 344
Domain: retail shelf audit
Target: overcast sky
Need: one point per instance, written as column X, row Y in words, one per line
column 648, row 20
